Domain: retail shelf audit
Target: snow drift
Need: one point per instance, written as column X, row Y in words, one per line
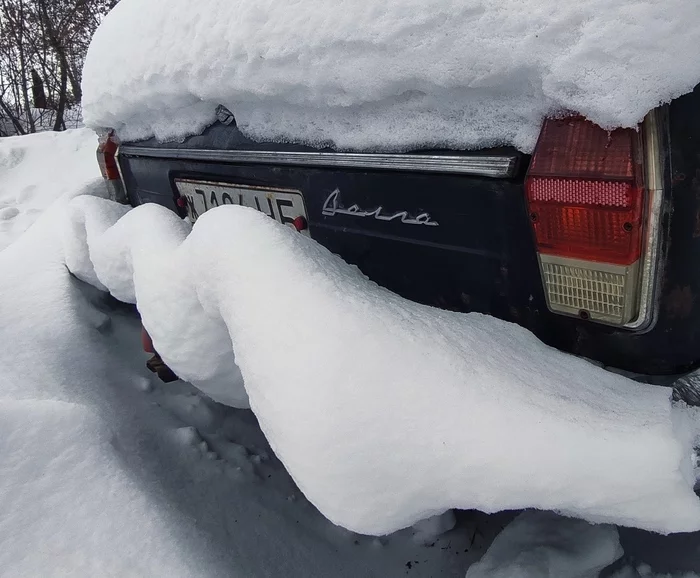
column 69, row 503
column 388, row 75
column 25, row 194
column 106, row 472
column 385, row 411
column 68, row 508
column 138, row 272
column 544, row 545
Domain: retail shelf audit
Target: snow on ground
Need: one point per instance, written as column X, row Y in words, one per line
column 544, row 545
column 68, row 506
column 25, row 195
column 386, row 75
column 383, row 410
column 105, row 471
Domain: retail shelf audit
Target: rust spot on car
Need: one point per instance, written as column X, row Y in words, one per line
column 679, row 302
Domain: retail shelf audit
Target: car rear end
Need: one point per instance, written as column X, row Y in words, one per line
column 592, row 242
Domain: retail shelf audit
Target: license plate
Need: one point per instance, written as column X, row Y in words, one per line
column 283, row 205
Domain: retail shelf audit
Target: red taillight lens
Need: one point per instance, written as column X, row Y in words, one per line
column 107, row 159
column 594, row 232
column 576, row 148
column 146, row 341
column 584, row 194
column 107, row 156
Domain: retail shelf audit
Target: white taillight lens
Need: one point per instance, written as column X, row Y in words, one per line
column 595, row 291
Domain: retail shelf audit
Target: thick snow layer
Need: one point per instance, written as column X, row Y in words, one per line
column 201, row 353
column 25, row 194
column 104, row 471
column 384, row 411
column 386, row 75
column 544, row 545
column 69, row 504
column 67, row 507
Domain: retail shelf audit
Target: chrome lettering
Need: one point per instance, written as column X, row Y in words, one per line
column 333, row 206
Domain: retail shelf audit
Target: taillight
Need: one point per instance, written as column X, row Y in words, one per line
column 586, row 197
column 107, row 159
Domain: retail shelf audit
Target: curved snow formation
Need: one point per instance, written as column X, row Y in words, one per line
column 385, row 411
column 134, row 262
column 389, row 75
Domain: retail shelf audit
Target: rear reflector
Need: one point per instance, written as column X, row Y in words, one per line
column 586, row 201
column 300, row 224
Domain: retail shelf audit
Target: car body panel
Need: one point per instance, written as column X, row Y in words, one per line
column 476, row 251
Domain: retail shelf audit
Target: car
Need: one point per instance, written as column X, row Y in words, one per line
column 592, row 242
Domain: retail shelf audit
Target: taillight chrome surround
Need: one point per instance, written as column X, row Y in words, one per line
column 595, row 283
column 654, row 149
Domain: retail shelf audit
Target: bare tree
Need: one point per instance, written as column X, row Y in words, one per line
column 15, row 16
column 43, row 44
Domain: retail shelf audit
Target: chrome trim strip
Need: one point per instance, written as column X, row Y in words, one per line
column 654, row 177
column 483, row 166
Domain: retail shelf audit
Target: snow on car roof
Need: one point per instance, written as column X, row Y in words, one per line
column 390, row 75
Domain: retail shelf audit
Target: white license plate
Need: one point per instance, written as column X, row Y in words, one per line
column 280, row 204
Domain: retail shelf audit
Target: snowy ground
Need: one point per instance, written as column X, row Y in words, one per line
column 25, row 195
column 106, row 472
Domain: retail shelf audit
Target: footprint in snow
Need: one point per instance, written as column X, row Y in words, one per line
column 26, row 194
column 8, row 213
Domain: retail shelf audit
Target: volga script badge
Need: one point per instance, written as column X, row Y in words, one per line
column 334, row 206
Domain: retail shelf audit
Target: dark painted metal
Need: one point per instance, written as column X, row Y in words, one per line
column 481, row 257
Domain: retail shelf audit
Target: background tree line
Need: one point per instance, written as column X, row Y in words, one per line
column 43, row 44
